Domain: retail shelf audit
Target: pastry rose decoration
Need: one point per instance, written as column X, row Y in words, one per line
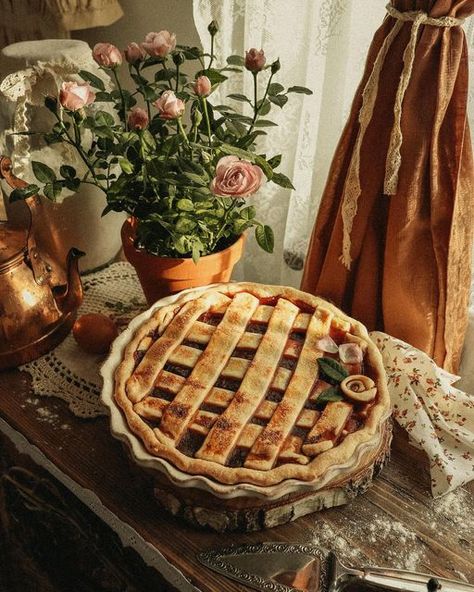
column 169, row 106
column 76, row 95
column 138, row 119
column 255, row 59
column 359, row 388
column 159, row 45
column 236, row 178
column 134, row 53
column 107, row 55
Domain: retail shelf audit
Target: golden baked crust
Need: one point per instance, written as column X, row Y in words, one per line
column 224, row 383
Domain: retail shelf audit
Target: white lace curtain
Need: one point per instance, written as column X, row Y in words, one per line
column 322, row 44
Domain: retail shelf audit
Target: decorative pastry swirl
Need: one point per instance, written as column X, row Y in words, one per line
column 359, row 388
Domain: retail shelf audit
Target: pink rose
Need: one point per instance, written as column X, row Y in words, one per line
column 255, row 60
column 236, row 178
column 137, row 119
column 134, row 53
column 76, row 95
column 158, row 45
column 202, row 86
column 169, row 106
column 107, row 55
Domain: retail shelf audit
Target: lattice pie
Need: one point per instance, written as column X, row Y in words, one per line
column 247, row 383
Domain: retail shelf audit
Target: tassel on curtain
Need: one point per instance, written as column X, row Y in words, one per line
column 392, row 240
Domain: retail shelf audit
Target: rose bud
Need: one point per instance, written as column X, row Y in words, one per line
column 159, row 45
column 202, row 86
column 236, row 178
column 107, row 55
column 76, row 95
column 137, row 119
column 134, row 53
column 275, row 66
column 169, row 106
column 255, row 60
column 213, row 27
column 178, row 58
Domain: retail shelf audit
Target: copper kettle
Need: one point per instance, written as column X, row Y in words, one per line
column 39, row 296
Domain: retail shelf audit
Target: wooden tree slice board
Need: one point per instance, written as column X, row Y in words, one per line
column 246, row 514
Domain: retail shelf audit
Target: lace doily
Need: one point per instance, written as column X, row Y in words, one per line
column 67, row 371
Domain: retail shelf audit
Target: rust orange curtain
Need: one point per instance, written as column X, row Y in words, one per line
column 407, row 267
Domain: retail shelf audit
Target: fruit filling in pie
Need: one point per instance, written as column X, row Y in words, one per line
column 245, row 383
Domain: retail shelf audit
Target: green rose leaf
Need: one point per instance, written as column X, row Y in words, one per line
column 185, row 225
column 93, row 80
column 126, row 166
column 265, row 108
column 43, row 172
column 279, row 100
column 265, row 123
column 67, row 172
column 214, row 75
column 102, row 118
column 275, row 88
column 329, row 395
column 265, row 238
column 236, row 60
column 52, row 190
column 185, row 205
column 72, row 184
column 300, row 89
column 239, row 97
column 195, row 178
column 248, row 213
column 282, row 180
column 332, row 370
column 103, row 97
column 275, row 161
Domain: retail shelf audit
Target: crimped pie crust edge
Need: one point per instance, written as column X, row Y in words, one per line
column 318, row 466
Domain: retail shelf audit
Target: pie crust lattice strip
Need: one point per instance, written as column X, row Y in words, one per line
column 225, row 383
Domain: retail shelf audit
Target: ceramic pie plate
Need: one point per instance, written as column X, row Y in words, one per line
column 180, row 480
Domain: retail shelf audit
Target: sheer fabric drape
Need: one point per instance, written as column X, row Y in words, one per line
column 322, row 44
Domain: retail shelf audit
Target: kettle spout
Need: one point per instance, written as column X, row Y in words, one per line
column 69, row 298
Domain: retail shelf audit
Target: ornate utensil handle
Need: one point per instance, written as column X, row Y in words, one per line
column 395, row 579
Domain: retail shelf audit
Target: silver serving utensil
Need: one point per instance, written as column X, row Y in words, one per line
column 286, row 567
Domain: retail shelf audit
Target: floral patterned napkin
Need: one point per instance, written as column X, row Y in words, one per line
column 438, row 417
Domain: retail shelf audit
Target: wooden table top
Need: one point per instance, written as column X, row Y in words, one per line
column 396, row 523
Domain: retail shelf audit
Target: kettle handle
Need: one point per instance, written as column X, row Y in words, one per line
column 41, row 270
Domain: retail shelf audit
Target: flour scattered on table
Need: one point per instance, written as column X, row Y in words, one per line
column 397, row 545
column 46, row 415
column 452, row 507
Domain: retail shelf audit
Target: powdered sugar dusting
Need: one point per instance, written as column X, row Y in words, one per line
column 45, row 414
column 455, row 507
column 394, row 542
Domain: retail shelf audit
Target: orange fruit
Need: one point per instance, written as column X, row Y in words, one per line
column 94, row 333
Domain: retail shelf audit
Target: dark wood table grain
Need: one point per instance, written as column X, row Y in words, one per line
column 395, row 523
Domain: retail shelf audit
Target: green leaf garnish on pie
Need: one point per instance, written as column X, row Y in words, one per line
column 332, row 370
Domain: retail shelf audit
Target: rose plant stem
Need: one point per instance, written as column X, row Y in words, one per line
column 78, row 147
column 208, row 122
column 227, row 211
column 122, row 97
column 212, row 52
column 255, row 108
column 182, row 132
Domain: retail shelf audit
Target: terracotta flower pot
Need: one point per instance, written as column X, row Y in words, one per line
column 162, row 276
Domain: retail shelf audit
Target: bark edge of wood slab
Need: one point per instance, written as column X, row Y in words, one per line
column 205, row 511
